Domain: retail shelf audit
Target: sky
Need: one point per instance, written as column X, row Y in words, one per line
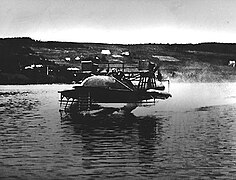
column 120, row 21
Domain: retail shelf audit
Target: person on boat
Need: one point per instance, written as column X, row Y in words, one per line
column 151, row 67
column 112, row 73
column 120, row 74
column 121, row 77
column 159, row 75
column 151, row 74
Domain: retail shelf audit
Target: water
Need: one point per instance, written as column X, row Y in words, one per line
column 189, row 136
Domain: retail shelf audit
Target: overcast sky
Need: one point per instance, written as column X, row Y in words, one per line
column 120, row 21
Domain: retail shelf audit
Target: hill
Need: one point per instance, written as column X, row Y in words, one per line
column 205, row 62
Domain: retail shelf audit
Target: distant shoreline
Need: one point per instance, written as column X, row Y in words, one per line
column 204, row 62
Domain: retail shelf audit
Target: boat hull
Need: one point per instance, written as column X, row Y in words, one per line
column 107, row 95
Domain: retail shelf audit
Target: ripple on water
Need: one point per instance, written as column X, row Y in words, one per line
column 197, row 143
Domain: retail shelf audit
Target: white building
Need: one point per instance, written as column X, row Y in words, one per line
column 231, row 63
column 125, row 53
column 77, row 58
column 67, row 58
column 34, row 66
column 106, row 52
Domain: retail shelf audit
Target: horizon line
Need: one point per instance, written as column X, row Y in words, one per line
column 146, row 43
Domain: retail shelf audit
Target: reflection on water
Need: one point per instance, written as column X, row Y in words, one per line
column 118, row 145
column 181, row 138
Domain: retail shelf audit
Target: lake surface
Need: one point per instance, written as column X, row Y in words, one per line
column 189, row 136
